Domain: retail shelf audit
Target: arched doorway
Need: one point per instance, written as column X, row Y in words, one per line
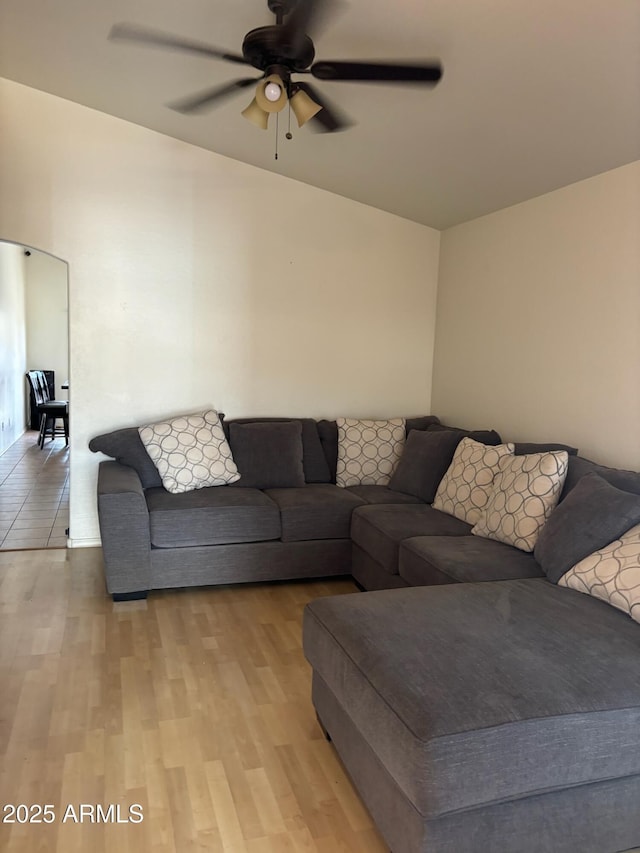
column 34, row 335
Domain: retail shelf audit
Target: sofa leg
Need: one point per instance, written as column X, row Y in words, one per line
column 130, row 596
column 324, row 731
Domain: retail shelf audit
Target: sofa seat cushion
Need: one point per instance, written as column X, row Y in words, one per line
column 319, row 511
column 382, row 495
column 471, row 694
column 219, row 515
column 425, row 560
column 379, row 530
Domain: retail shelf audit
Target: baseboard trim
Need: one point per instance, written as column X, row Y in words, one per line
column 83, row 543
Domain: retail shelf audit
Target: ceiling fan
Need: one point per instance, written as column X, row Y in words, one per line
column 280, row 51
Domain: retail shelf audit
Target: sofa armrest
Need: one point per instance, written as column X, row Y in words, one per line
column 124, row 529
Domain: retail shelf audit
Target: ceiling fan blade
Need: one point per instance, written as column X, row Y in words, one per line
column 306, row 17
column 378, row 72
column 156, row 38
column 209, row 97
column 329, row 119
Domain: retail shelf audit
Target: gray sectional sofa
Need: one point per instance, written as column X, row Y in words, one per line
column 477, row 706
column 152, row 539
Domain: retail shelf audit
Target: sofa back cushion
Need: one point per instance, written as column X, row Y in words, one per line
column 428, row 454
column 423, row 463
column 484, row 436
column 592, row 515
column 268, row 455
column 316, row 467
column 328, row 432
column 524, row 447
column 628, row 481
column 422, row 422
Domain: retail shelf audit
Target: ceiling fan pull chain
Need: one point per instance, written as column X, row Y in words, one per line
column 288, row 134
column 277, row 115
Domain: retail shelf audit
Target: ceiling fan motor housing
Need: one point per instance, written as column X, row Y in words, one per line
column 268, row 46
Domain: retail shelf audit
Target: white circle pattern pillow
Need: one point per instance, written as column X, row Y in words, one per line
column 465, row 488
column 190, row 452
column 612, row 573
column 525, row 491
column 368, row 451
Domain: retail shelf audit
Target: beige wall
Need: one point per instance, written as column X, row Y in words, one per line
column 538, row 319
column 13, row 359
column 195, row 280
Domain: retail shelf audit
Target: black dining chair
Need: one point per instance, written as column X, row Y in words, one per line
column 48, row 410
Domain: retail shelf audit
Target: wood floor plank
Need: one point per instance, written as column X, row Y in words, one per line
column 194, row 704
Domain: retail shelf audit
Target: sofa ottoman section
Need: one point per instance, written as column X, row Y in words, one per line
column 379, row 530
column 426, row 560
column 320, row 511
column 484, row 706
column 217, row 515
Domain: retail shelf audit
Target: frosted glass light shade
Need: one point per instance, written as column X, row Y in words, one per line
column 265, row 103
column 303, row 107
column 256, row 115
column 272, row 92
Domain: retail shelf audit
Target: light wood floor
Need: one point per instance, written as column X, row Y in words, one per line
column 194, row 704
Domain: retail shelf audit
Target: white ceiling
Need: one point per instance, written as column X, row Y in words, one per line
column 536, row 94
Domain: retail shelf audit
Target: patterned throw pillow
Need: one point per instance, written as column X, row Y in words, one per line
column 612, row 573
column 368, row 451
column 190, row 452
column 465, row 488
column 525, row 491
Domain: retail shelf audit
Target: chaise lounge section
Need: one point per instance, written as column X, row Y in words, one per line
column 497, row 717
column 480, row 713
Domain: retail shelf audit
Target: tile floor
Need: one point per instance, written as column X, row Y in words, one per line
column 34, row 494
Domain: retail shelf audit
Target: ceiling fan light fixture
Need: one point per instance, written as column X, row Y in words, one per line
column 271, row 94
column 303, row 106
column 279, row 51
column 256, row 115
